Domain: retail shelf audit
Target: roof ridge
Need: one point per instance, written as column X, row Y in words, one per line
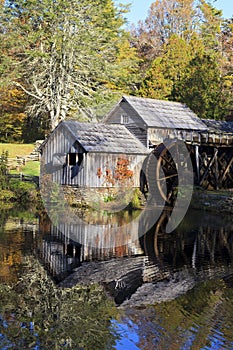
column 154, row 99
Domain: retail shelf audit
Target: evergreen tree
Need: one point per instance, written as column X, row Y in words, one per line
column 202, row 88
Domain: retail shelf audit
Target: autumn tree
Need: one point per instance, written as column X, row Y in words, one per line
column 227, row 45
column 165, row 19
column 167, row 70
column 65, row 53
column 210, row 27
column 186, row 73
column 202, row 88
column 182, row 57
column 227, row 60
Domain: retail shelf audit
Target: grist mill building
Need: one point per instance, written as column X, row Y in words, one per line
column 111, row 153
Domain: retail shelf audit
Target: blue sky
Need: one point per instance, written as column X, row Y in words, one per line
column 139, row 8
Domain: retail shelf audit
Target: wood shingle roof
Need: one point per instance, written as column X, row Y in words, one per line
column 219, row 126
column 104, row 138
column 165, row 114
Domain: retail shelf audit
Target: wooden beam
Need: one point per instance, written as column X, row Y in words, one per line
column 209, row 166
column 227, row 169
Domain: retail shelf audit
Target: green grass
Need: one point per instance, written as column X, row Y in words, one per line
column 31, row 168
column 19, row 149
column 16, row 149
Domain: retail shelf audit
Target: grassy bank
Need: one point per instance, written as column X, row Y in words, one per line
column 17, row 149
column 31, row 168
column 14, row 150
column 13, row 190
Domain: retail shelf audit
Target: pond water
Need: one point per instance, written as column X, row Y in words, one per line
column 156, row 291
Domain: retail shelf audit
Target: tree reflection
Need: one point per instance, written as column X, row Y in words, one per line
column 197, row 320
column 37, row 314
column 13, row 241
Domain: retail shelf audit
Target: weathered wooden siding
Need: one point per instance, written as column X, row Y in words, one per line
column 157, row 136
column 146, row 134
column 124, row 109
column 214, row 138
column 62, row 247
column 134, row 123
column 101, row 168
column 103, row 240
column 96, row 169
column 54, row 158
column 74, row 175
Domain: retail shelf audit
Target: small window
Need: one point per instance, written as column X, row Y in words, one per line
column 75, row 159
column 124, row 119
column 71, row 158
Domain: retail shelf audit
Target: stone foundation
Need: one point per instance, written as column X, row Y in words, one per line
column 102, row 198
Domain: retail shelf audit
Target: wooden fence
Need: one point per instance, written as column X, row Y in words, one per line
column 25, row 178
column 19, row 161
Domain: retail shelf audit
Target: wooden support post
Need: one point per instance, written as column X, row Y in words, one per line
column 216, row 173
column 197, row 163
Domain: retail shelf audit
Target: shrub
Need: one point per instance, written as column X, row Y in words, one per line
column 135, row 201
column 24, row 191
column 3, row 170
column 7, row 195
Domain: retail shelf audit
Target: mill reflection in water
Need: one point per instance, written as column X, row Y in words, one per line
column 135, row 268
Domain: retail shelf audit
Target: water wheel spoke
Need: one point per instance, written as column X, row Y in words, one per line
column 167, row 177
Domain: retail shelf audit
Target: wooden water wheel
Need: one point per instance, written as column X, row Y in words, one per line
column 161, row 170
